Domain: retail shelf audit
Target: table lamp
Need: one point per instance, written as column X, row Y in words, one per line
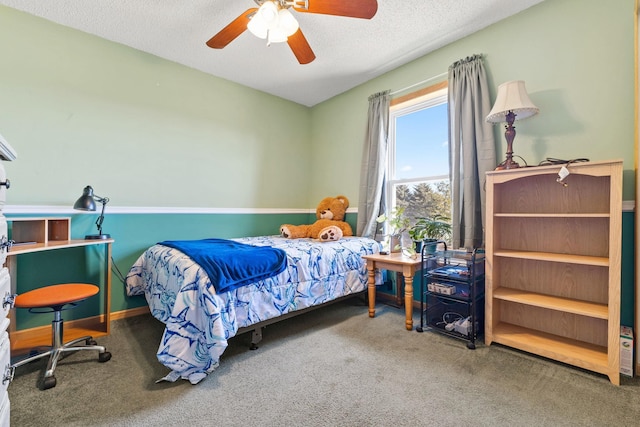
column 512, row 103
column 87, row 202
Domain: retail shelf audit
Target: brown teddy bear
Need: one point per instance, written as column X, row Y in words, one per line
column 330, row 225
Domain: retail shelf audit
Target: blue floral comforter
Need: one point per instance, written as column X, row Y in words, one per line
column 199, row 321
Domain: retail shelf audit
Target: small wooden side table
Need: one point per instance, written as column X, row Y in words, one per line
column 393, row 262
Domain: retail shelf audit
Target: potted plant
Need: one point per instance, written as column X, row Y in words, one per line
column 397, row 223
column 418, row 231
column 430, row 230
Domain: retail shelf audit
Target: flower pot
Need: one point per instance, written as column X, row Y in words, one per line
column 395, row 244
column 430, row 246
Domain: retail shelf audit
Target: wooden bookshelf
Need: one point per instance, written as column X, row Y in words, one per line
column 553, row 261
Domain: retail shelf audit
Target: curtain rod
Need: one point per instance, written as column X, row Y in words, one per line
column 419, row 83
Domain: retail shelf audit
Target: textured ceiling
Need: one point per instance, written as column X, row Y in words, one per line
column 348, row 51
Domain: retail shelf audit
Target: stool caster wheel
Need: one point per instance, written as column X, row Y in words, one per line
column 48, row 382
column 104, row 357
column 91, row 341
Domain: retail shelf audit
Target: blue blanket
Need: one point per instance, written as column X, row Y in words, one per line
column 231, row 264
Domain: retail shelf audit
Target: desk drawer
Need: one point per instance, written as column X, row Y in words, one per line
column 5, row 362
column 6, row 301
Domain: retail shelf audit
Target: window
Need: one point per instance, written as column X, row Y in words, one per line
column 418, row 163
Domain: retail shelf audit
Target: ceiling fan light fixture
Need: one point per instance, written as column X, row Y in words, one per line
column 258, row 27
column 273, row 24
column 264, row 20
column 275, row 36
column 269, row 12
column 287, row 23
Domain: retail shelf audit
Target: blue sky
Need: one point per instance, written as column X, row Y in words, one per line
column 422, row 143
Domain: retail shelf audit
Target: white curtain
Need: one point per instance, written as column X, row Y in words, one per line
column 374, row 156
column 472, row 149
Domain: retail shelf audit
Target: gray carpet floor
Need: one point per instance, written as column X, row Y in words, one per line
column 331, row 367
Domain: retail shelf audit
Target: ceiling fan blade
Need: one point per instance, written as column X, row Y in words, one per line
column 300, row 47
column 231, row 31
column 364, row 9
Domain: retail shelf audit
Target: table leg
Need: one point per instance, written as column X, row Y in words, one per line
column 408, row 300
column 398, row 289
column 107, row 288
column 372, row 289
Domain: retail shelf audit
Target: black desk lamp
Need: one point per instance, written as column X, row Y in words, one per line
column 87, row 202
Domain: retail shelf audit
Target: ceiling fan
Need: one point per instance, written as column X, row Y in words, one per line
column 273, row 21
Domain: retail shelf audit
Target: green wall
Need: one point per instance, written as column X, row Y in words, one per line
column 148, row 132
column 577, row 59
column 151, row 134
column 145, row 131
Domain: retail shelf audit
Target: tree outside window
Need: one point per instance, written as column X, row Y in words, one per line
column 418, row 164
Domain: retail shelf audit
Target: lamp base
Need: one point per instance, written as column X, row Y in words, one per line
column 509, row 134
column 507, row 164
column 97, row 237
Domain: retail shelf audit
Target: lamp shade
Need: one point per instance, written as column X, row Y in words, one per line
column 86, row 202
column 512, row 97
column 287, row 22
column 265, row 19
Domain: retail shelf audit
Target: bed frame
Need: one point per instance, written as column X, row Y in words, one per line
column 256, row 329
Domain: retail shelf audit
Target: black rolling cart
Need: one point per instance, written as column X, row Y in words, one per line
column 452, row 293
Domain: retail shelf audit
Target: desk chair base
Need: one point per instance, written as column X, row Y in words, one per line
column 57, row 350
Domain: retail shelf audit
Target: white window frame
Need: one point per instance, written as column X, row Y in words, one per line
column 412, row 105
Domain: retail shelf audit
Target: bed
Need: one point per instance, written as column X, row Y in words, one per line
column 199, row 321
